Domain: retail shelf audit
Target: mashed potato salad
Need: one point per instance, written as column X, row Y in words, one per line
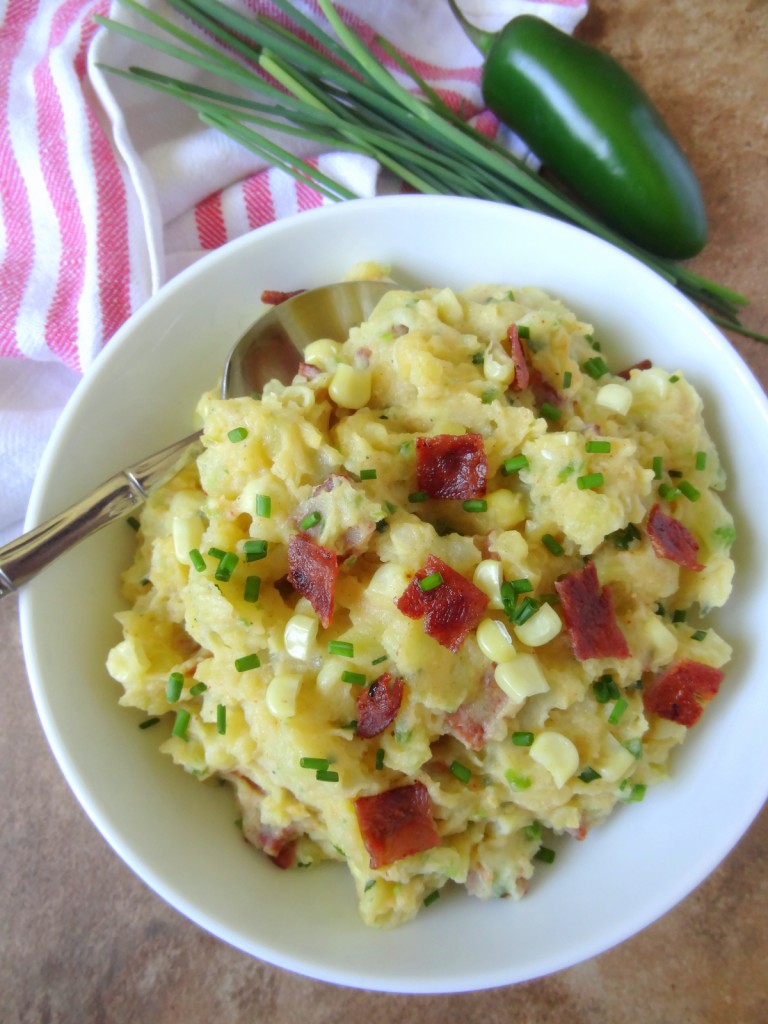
column 436, row 600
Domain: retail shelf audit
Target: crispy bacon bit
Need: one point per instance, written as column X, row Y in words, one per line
column 473, row 721
column 279, row 845
column 681, row 692
column 309, row 371
column 589, row 616
column 644, row 364
column 517, row 351
column 672, row 539
column 451, row 466
column 378, row 705
column 312, row 571
column 543, row 391
column 397, row 823
column 273, row 298
column 450, row 610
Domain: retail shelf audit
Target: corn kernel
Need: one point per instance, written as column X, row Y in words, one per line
column 299, row 635
column 494, row 641
column 616, row 760
column 557, row 754
column 281, row 695
column 498, row 371
column 323, row 353
column 488, row 577
column 543, row 626
column 616, row 397
column 350, row 386
column 389, row 580
column 187, row 534
column 521, row 677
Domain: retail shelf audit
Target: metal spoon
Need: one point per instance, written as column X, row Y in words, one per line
column 270, row 349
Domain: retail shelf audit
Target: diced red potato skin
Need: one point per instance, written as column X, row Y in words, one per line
column 589, row 616
column 680, row 693
column 673, row 540
column 378, row 705
column 473, row 721
column 396, row 823
column 517, row 351
column 450, row 611
column 312, row 571
column 452, row 466
column 309, row 371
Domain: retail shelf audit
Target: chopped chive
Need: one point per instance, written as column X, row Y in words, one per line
column 310, row 520
column 378, row 661
column 478, row 358
column 351, row 724
column 149, row 722
column 689, row 490
column 325, row 775
column 595, row 367
column 525, row 610
column 618, row 710
column 521, row 586
column 532, row 832
column 462, row 773
column 254, row 550
column 317, row 764
column 598, row 447
column 522, row 739
column 523, row 331
column 552, row 545
column 226, row 566
column 417, row 496
column 197, row 689
column 679, row 615
column 549, row 412
column 407, row 447
column 238, row 434
column 197, row 560
column 634, row 746
column 544, row 854
column 369, row 884
column 430, row 582
column 701, row 460
column 217, row 553
column 247, row 662
column 516, row 780
column 133, row 522
column 657, row 464
column 589, row 774
column 355, row 678
column 622, row 538
column 181, row 723
column 341, row 647
column 263, row 506
column 368, row 474
column 174, row 687
column 668, row 492
column 488, row 396
column 221, row 719
column 475, row 505
column 605, row 689
column 252, row 589
column 517, row 462
column 379, row 759
column 700, row 634
column 674, row 378
column 567, row 378
column 636, row 794
column 431, row 897
column 590, row 481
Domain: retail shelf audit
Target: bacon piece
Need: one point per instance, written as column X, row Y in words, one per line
column 522, row 370
column 474, row 720
column 450, row 610
column 644, row 364
column 396, row 823
column 451, row 466
column 681, row 692
column 278, row 844
column 273, row 298
column 543, row 391
column 589, row 616
column 672, row 539
column 312, row 571
column 378, row 705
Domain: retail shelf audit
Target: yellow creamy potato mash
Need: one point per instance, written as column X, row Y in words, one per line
column 437, row 601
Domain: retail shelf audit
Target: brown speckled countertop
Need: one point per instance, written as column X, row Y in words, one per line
column 83, row 940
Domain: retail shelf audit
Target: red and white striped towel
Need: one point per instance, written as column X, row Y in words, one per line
column 108, row 190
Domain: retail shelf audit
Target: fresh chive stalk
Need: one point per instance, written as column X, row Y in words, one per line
column 334, row 91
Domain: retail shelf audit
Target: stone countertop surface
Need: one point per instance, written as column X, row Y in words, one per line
column 83, row 940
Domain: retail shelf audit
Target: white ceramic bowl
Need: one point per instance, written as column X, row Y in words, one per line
column 178, row 835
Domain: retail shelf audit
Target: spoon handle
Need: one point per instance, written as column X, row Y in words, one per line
column 114, row 499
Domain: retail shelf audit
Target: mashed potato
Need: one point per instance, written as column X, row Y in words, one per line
column 439, row 599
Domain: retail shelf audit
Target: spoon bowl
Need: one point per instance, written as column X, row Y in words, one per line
column 271, row 348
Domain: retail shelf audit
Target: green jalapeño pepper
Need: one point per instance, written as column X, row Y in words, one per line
column 595, row 129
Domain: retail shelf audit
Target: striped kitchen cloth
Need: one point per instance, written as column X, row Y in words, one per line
column 107, row 190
